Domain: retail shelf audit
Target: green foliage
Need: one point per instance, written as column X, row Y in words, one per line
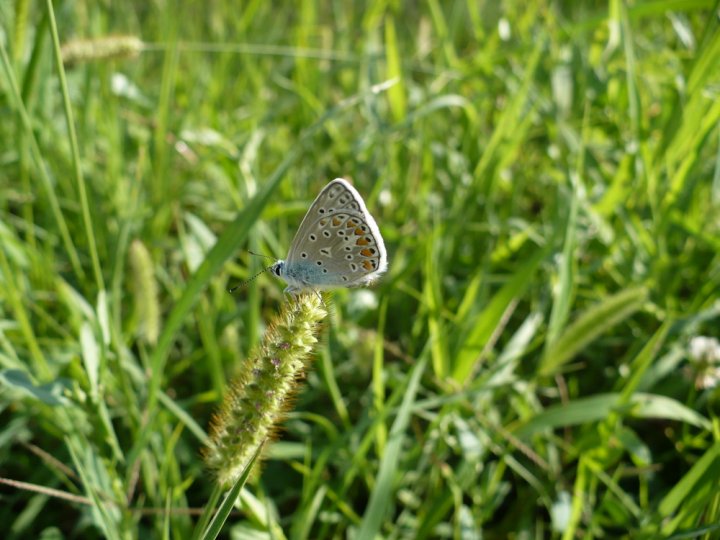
column 547, row 180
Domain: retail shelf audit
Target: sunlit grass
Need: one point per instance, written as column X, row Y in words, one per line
column 547, row 181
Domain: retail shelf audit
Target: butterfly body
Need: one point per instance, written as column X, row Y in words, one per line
column 338, row 244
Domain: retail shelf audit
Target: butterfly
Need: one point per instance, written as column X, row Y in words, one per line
column 338, row 244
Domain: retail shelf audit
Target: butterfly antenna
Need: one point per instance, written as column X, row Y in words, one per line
column 244, row 283
column 259, row 254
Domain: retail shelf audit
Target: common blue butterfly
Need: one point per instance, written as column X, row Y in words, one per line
column 338, row 244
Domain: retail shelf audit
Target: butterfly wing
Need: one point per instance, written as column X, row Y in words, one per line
column 338, row 242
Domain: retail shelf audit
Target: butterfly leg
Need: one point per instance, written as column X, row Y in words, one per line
column 291, row 290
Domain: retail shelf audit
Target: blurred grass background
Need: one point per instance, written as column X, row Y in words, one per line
column 546, row 176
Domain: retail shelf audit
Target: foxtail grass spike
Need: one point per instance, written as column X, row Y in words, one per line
column 147, row 308
column 257, row 400
column 106, row 48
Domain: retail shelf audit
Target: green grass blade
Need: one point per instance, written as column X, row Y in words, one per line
column 218, row 521
column 470, row 352
column 643, row 360
column 432, row 296
column 42, row 167
column 381, row 495
column 75, row 152
column 590, row 325
column 89, row 467
column 396, row 94
column 596, row 408
column 566, row 273
column 700, row 479
column 510, row 117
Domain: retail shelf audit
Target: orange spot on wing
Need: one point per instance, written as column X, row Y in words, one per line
column 337, row 222
column 366, row 253
column 350, row 224
column 361, row 242
column 359, row 231
column 367, row 265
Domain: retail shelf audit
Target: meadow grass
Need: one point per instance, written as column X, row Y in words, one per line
column 546, row 176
